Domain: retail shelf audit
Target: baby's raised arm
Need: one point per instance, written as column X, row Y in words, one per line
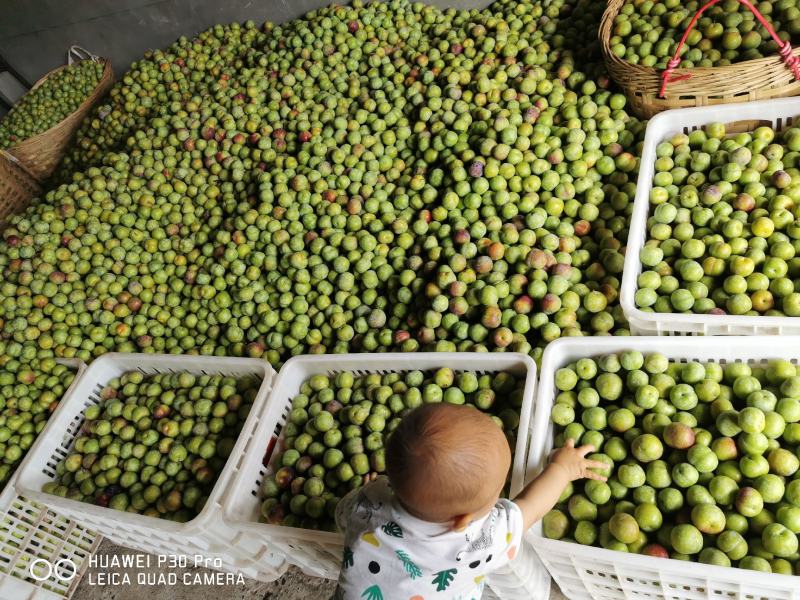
column 566, row 464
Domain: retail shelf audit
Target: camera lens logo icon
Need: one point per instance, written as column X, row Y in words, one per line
column 63, row 570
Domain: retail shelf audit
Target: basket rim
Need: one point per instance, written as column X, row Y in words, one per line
column 15, row 162
column 108, row 74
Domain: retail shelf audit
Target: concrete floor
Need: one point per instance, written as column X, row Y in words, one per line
column 294, row 585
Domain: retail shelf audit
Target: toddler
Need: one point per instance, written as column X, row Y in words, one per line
column 437, row 526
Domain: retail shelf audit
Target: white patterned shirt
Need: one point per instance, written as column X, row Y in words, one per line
column 391, row 555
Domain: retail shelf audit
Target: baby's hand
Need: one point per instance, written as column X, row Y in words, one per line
column 573, row 460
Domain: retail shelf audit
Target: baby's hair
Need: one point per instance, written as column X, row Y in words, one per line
column 438, row 457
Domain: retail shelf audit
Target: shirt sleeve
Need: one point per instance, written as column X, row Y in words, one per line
column 508, row 530
column 345, row 508
column 360, row 503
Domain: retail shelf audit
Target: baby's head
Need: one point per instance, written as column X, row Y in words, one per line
column 447, row 463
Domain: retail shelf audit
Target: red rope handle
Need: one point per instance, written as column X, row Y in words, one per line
column 784, row 48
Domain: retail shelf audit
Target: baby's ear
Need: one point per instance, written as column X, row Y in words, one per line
column 460, row 522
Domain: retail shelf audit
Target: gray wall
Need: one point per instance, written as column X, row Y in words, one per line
column 34, row 34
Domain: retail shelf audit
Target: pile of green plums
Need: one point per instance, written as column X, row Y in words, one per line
column 386, row 176
column 372, row 177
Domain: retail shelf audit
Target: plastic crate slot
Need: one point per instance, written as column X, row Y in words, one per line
column 29, row 517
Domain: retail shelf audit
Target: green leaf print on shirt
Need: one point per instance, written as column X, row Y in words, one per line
column 347, row 560
column 393, row 529
column 443, row 579
column 372, row 593
column 412, row 569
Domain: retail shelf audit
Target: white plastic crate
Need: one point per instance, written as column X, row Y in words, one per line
column 32, row 536
column 778, row 114
column 319, row 553
column 588, row 572
column 205, row 535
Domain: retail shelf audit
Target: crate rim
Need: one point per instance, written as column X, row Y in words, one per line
column 376, row 357
column 709, row 572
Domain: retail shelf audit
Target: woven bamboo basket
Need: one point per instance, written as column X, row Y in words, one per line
column 17, row 187
column 42, row 153
column 746, row 81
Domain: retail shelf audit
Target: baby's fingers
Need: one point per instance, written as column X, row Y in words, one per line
column 592, row 475
column 594, row 464
column 585, row 449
